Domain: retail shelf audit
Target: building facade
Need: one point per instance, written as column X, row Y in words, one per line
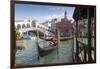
column 65, row 26
column 85, row 30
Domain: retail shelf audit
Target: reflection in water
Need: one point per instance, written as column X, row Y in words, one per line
column 29, row 56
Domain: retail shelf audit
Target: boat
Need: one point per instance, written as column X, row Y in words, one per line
column 45, row 50
column 61, row 39
column 25, row 36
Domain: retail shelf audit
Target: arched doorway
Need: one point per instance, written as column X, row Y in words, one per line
column 23, row 26
column 18, row 26
column 28, row 25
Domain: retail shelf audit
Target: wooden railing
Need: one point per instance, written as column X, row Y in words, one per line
column 81, row 54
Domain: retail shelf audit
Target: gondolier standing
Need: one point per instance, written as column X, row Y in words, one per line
column 54, row 41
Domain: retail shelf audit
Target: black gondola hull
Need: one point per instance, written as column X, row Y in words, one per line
column 45, row 51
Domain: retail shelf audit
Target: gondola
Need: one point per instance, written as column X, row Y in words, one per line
column 46, row 50
column 61, row 39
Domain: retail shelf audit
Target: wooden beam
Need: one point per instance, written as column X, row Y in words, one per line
column 77, row 47
column 89, row 34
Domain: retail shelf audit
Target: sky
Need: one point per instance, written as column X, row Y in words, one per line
column 41, row 13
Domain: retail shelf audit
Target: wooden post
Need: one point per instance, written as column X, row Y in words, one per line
column 73, row 48
column 85, row 47
column 45, row 45
column 77, row 47
column 37, row 35
column 38, row 57
column 57, row 32
column 89, row 34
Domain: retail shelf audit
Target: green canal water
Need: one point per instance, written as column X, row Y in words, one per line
column 29, row 56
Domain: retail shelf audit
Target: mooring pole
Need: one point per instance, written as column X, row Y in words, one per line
column 89, row 34
column 58, row 43
column 38, row 57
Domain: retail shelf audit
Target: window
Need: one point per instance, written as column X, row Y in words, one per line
column 18, row 26
column 23, row 26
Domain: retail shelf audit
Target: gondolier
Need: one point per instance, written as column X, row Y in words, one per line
column 54, row 41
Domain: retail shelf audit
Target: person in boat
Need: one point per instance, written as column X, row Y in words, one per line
column 54, row 41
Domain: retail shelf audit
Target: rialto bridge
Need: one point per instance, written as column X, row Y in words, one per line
column 30, row 25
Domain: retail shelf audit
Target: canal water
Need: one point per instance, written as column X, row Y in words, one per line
column 29, row 56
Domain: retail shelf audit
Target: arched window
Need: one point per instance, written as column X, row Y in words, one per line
column 28, row 25
column 33, row 24
column 38, row 26
column 23, row 26
column 18, row 26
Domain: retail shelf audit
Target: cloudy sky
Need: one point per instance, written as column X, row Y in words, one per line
column 41, row 13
